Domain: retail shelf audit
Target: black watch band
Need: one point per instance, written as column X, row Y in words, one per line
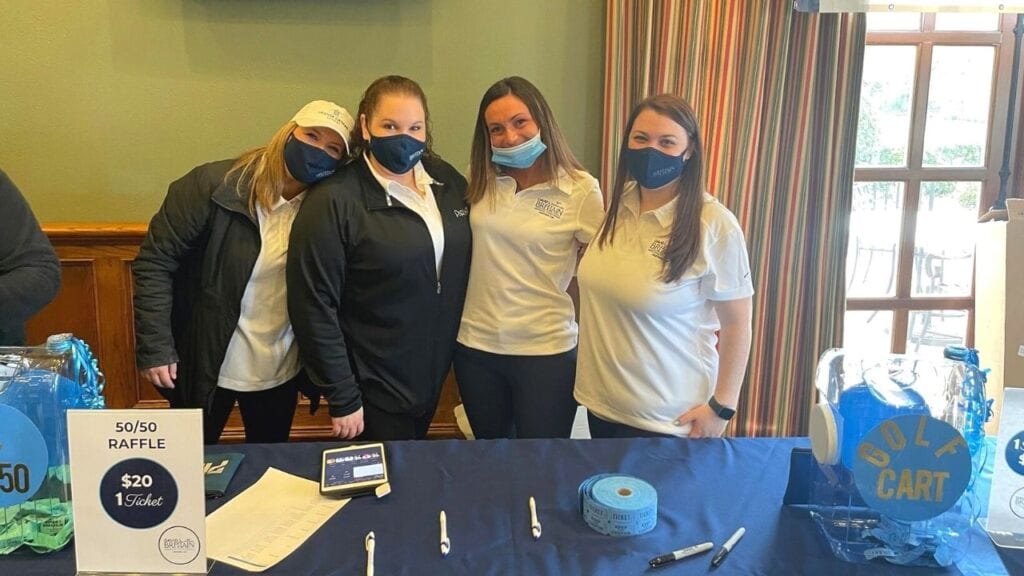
column 723, row 412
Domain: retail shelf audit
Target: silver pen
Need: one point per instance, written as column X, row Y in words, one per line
column 727, row 547
column 370, row 545
column 446, row 544
column 534, row 522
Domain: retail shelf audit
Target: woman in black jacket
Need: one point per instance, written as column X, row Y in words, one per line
column 211, row 318
column 377, row 271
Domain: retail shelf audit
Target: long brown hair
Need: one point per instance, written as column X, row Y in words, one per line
column 371, row 98
column 557, row 156
column 684, row 242
column 262, row 172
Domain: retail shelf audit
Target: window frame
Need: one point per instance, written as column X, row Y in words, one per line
column 913, row 174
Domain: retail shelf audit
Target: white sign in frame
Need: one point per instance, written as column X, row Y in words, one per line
column 1006, row 500
column 137, row 485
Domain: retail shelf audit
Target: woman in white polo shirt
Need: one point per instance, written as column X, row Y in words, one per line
column 669, row 268
column 533, row 208
column 211, row 317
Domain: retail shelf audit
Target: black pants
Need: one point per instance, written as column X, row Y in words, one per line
column 267, row 414
column 600, row 428
column 517, row 396
column 381, row 426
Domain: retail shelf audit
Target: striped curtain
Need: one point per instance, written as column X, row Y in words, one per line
column 776, row 92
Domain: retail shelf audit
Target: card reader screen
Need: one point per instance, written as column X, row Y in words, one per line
column 352, row 466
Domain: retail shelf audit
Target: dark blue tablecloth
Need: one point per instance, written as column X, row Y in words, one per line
column 706, row 489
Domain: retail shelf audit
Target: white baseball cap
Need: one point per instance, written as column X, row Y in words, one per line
column 328, row 115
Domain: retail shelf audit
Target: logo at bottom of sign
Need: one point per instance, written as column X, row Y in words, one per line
column 912, row 467
column 179, row 545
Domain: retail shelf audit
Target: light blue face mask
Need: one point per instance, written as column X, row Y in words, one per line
column 521, row 156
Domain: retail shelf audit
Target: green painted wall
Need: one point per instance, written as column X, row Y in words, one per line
column 104, row 102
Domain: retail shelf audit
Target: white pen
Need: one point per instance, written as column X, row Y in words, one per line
column 370, row 545
column 534, row 523
column 727, row 547
column 446, row 544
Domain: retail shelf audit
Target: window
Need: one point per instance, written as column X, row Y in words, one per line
column 933, row 106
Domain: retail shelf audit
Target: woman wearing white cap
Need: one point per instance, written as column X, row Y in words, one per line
column 211, row 317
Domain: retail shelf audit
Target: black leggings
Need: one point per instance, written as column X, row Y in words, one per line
column 517, row 396
column 267, row 414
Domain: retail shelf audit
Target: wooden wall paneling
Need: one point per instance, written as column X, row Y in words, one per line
column 95, row 303
column 73, row 310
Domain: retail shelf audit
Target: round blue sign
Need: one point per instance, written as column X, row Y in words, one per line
column 1015, row 453
column 23, row 457
column 138, row 493
column 912, row 467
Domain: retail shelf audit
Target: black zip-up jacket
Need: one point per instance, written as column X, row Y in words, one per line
column 373, row 320
column 190, row 276
column 29, row 269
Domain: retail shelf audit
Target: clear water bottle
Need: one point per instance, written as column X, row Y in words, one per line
column 37, row 387
column 899, row 442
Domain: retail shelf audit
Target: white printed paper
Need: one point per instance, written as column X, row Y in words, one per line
column 268, row 521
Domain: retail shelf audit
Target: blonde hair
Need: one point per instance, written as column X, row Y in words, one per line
column 558, row 155
column 261, row 172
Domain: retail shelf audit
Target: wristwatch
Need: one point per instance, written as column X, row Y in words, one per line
column 723, row 412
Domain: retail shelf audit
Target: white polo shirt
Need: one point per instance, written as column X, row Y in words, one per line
column 647, row 349
column 424, row 205
column 262, row 353
column 525, row 247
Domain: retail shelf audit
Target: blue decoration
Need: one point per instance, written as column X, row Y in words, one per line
column 863, row 407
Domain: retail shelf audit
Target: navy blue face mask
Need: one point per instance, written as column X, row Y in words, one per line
column 652, row 168
column 398, row 153
column 307, row 163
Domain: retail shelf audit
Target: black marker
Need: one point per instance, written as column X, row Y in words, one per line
column 727, row 547
column 680, row 554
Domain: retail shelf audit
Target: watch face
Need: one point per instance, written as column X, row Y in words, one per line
column 722, row 412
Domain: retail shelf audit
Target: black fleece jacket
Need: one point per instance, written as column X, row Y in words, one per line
column 374, row 321
column 190, row 275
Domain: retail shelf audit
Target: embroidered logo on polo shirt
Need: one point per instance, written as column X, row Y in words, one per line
column 657, row 248
column 548, row 208
column 460, row 212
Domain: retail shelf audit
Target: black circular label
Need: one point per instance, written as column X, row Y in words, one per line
column 1015, row 453
column 138, row 493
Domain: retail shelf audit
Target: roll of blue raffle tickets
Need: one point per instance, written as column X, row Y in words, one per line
column 617, row 505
